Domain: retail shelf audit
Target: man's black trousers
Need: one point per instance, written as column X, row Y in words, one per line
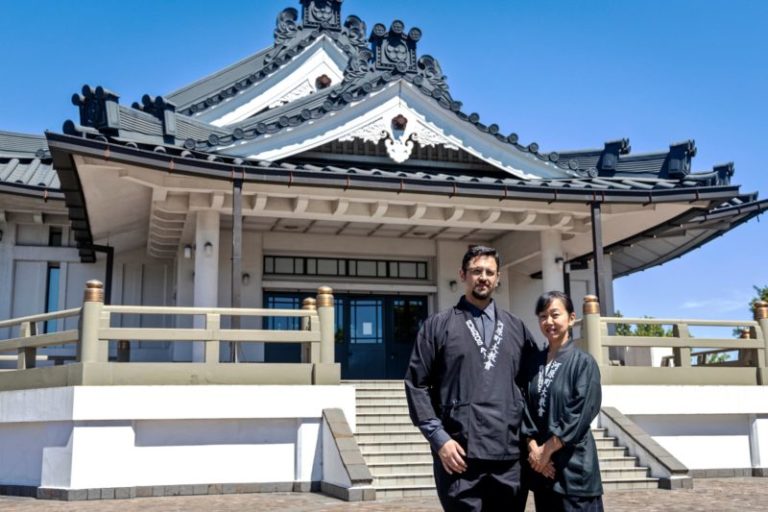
column 486, row 486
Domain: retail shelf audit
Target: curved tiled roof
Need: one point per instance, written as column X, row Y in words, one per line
column 211, row 165
column 25, row 163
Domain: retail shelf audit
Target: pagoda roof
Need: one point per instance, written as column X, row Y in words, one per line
column 680, row 235
column 724, row 199
column 26, row 166
column 370, row 68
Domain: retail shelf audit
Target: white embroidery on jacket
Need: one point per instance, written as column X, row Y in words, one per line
column 546, row 375
column 489, row 354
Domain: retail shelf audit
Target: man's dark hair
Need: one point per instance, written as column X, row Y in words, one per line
column 546, row 299
column 479, row 250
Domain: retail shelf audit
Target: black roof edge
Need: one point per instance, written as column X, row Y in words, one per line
column 19, row 189
column 72, row 192
column 752, row 209
column 264, row 172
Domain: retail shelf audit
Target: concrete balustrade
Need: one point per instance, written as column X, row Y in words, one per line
column 743, row 371
column 92, row 365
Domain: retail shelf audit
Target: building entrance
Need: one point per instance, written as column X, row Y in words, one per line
column 374, row 333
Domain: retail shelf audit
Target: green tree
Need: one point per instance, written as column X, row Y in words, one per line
column 641, row 329
column 761, row 293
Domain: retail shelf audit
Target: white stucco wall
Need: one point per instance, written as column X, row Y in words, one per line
column 704, row 427
column 123, row 436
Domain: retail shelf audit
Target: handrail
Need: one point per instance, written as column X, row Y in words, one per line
column 42, row 317
column 749, row 368
column 178, row 310
column 670, row 321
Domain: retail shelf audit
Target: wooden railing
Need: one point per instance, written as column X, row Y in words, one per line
column 92, row 365
column 749, row 367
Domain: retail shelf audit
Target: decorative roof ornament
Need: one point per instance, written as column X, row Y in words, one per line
column 323, row 14
column 432, row 71
column 724, row 173
column 679, row 159
column 98, row 108
column 286, row 29
column 163, row 110
column 393, row 49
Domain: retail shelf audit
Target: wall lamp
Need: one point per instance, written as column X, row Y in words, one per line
column 453, row 285
column 246, row 279
column 187, row 252
column 208, row 248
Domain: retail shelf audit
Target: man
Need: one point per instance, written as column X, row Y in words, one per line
column 463, row 386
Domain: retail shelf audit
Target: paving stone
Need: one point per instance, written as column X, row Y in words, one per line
column 749, row 494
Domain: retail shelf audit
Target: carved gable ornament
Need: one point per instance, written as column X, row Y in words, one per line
column 400, row 133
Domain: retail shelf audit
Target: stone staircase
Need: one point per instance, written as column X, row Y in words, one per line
column 400, row 461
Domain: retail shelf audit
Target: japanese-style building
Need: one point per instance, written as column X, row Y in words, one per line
column 337, row 156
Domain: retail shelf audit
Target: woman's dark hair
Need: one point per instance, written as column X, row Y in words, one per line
column 479, row 250
column 546, row 299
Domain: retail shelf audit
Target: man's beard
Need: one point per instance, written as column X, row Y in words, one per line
column 482, row 295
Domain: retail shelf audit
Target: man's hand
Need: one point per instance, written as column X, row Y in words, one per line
column 452, row 456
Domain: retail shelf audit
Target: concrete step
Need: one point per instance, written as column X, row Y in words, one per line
column 411, row 436
column 627, row 484
column 390, row 468
column 405, row 491
column 400, row 460
column 382, row 409
column 605, row 442
column 402, row 479
column 368, row 418
column 617, row 462
column 380, row 393
column 393, row 446
column 365, row 427
column 611, row 452
column 398, row 457
column 382, row 401
column 610, row 474
column 365, row 385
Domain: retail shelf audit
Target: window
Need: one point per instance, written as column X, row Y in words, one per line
column 379, row 269
column 52, row 295
column 55, row 236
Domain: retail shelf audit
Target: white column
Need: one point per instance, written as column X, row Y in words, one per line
column 551, row 260
column 253, row 292
column 206, row 292
column 185, row 287
column 6, row 274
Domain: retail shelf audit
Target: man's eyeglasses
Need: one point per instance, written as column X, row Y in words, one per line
column 479, row 271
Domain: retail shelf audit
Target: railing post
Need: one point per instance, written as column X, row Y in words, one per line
column 682, row 355
column 26, row 356
column 327, row 320
column 90, row 317
column 310, row 352
column 591, row 326
column 212, row 324
column 760, row 310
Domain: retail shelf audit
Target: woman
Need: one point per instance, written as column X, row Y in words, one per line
column 562, row 400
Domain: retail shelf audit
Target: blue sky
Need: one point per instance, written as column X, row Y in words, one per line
column 561, row 73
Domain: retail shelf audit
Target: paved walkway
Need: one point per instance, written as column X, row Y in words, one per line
column 720, row 495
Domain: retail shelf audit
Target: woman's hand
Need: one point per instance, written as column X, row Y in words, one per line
column 539, row 459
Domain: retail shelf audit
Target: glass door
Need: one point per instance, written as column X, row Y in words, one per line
column 408, row 313
column 374, row 334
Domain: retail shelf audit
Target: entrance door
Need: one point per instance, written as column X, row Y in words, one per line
column 366, row 343
column 408, row 313
column 374, row 333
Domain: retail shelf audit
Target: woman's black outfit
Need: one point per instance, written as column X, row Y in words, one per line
column 562, row 400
